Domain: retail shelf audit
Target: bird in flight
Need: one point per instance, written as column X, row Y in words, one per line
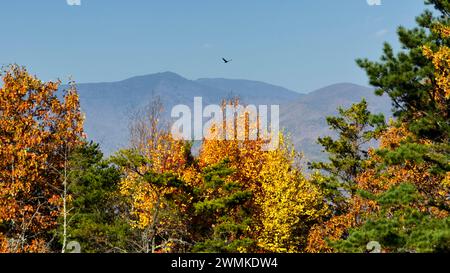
column 226, row 61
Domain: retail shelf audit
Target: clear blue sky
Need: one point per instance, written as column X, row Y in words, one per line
column 299, row 44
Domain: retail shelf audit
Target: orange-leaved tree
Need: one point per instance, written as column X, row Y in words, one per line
column 37, row 132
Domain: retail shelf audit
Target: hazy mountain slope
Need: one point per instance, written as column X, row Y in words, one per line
column 305, row 118
column 108, row 105
column 253, row 92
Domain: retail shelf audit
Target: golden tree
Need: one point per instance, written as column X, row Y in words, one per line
column 154, row 169
column 284, row 203
column 288, row 204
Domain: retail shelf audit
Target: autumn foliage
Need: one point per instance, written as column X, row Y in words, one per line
column 402, row 193
column 387, row 182
column 36, row 129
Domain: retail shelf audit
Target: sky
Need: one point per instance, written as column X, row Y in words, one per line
column 298, row 44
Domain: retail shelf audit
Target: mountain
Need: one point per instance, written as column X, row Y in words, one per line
column 108, row 105
column 305, row 118
column 252, row 91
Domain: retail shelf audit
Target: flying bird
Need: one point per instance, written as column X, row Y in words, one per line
column 226, row 61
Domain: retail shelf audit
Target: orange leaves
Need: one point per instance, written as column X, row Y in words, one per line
column 36, row 131
column 377, row 179
column 336, row 227
column 246, row 156
column 331, row 230
column 408, row 172
column 393, row 136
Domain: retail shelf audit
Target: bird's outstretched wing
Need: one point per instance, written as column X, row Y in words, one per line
column 224, row 60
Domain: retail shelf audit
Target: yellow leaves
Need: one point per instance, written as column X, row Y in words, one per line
column 287, row 202
column 441, row 62
column 443, row 30
column 192, row 176
column 284, row 200
column 446, row 180
column 165, row 155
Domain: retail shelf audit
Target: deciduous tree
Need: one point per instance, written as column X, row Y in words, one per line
column 37, row 131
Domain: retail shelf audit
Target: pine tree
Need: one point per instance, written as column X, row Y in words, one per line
column 418, row 96
column 97, row 213
column 356, row 128
column 223, row 206
column 400, row 226
column 407, row 178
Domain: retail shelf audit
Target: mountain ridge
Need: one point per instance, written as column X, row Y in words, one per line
column 108, row 105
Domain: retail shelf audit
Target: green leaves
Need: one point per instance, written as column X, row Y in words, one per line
column 97, row 211
column 402, row 199
column 408, row 77
column 225, row 204
column 129, row 158
column 401, row 195
column 399, row 226
column 356, row 128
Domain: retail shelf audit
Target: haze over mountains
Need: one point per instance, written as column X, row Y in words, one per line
column 305, row 118
column 108, row 105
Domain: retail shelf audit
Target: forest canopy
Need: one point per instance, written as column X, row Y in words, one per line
column 384, row 181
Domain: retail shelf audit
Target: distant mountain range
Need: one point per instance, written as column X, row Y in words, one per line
column 108, row 105
column 305, row 118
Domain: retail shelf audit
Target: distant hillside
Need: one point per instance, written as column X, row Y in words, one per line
column 252, row 91
column 305, row 119
column 108, row 105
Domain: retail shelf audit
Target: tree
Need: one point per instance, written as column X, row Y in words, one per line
column 222, row 204
column 288, row 204
column 356, row 128
column 37, row 130
column 284, row 204
column 155, row 197
column 153, row 182
column 412, row 162
column 400, row 225
column 245, row 154
column 338, row 179
column 97, row 212
column 418, row 150
column 417, row 84
column 365, row 206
